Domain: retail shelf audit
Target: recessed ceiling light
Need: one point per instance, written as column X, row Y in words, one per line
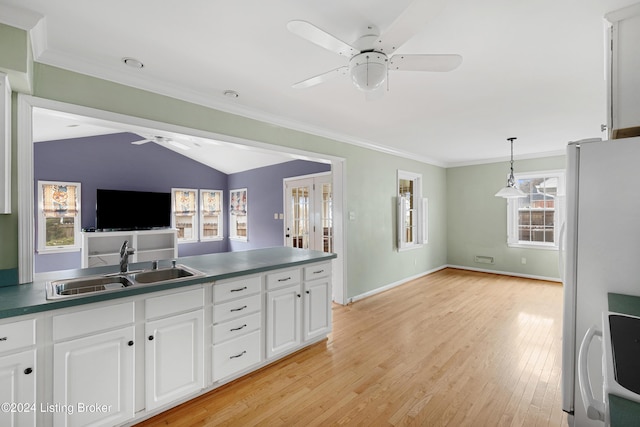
column 231, row 94
column 132, row 62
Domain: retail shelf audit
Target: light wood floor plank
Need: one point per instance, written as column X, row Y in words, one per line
column 455, row 348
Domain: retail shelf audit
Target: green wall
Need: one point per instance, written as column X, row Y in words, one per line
column 477, row 221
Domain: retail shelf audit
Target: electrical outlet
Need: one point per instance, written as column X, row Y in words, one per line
column 523, row 260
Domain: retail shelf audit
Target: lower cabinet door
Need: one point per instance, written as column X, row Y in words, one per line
column 236, row 355
column 174, row 360
column 18, row 389
column 93, row 380
column 284, row 320
column 317, row 308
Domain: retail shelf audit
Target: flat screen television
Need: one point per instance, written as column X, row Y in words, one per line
column 132, row 210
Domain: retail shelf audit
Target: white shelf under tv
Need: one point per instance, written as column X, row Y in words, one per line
column 101, row 248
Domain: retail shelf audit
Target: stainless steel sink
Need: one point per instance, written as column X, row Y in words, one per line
column 85, row 286
column 164, row 274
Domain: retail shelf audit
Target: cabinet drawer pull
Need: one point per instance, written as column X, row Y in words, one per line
column 239, row 309
column 238, row 328
column 28, row 371
column 239, row 289
column 130, row 343
column 4, row 338
column 150, row 337
column 238, row 355
column 319, row 271
column 284, row 279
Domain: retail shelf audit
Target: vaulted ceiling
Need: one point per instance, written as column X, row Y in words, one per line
column 530, row 69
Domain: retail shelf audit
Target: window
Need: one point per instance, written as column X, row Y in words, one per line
column 211, row 215
column 412, row 211
column 185, row 218
column 533, row 221
column 58, row 216
column 238, row 214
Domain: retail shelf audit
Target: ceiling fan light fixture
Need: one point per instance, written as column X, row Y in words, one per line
column 368, row 70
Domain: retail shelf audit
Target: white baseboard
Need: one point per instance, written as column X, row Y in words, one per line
column 394, row 284
column 505, row 273
column 442, row 267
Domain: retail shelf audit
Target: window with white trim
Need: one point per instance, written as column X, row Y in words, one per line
column 238, row 214
column 534, row 221
column 211, row 215
column 184, row 216
column 411, row 211
column 59, row 216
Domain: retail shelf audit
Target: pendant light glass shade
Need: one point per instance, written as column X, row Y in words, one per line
column 511, row 190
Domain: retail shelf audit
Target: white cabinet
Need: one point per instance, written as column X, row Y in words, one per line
column 284, row 315
column 174, row 359
column 17, row 374
column 93, row 367
column 237, row 326
column 5, row 144
column 623, row 79
column 317, row 301
column 103, row 248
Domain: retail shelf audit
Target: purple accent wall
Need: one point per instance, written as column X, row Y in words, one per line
column 112, row 162
column 264, row 198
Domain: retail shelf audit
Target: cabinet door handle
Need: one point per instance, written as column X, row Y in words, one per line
column 239, row 289
column 318, row 272
column 239, row 309
column 299, row 296
column 308, row 292
column 238, row 328
column 130, row 343
column 28, row 371
column 284, row 280
column 150, row 337
column 4, row 338
column 238, row 355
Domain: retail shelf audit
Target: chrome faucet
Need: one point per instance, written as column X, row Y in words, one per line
column 124, row 256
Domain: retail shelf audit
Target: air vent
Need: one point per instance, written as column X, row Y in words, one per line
column 483, row 259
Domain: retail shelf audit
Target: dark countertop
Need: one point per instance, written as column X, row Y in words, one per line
column 624, row 304
column 31, row 297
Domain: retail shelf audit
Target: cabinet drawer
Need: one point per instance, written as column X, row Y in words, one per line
column 93, row 320
column 17, row 335
column 283, row 278
column 236, row 355
column 226, row 291
column 173, row 303
column 236, row 308
column 317, row 271
column 236, row 327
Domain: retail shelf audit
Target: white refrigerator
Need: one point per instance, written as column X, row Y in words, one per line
column 601, row 252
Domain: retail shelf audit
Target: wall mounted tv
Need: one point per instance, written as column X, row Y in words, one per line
column 132, row 210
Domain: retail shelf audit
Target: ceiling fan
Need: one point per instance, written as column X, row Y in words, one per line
column 161, row 140
column 370, row 56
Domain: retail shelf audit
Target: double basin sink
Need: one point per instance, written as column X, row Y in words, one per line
column 90, row 285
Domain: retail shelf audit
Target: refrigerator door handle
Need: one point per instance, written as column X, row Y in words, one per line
column 595, row 409
column 561, row 255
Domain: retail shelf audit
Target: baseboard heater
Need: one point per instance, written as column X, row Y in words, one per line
column 483, row 259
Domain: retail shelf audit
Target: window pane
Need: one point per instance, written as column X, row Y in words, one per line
column 536, row 211
column 60, row 231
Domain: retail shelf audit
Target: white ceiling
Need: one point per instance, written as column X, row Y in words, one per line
column 531, row 69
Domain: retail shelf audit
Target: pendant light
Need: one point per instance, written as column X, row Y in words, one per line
column 511, row 190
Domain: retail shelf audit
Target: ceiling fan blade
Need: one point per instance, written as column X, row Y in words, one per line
column 409, row 23
column 321, row 38
column 425, row 62
column 321, row 78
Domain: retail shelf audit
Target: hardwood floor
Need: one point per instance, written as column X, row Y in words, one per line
column 453, row 348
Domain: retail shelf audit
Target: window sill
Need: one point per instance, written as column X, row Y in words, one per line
column 212, row 239
column 239, row 239
column 57, row 250
column 409, row 248
column 532, row 246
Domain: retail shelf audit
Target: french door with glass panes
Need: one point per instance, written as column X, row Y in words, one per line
column 308, row 213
